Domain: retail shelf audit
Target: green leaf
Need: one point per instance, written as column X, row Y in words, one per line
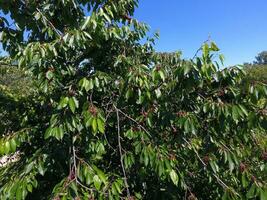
column 2, row 148
column 107, row 17
column 162, row 76
column 174, row 177
column 187, row 125
column 97, row 182
column 187, row 69
column 59, row 133
column 37, row 16
column 102, row 176
column 158, row 93
column 86, row 22
column 40, row 168
column 117, row 186
column 63, row 102
column 214, row 47
column 96, row 82
column 29, row 187
column 94, row 125
column 243, row 110
column 149, row 121
column 13, row 145
column 263, row 194
column 235, row 113
column 7, row 147
column 214, row 166
column 244, row 181
column 74, row 187
column 129, row 93
column 19, row 193
column 221, row 57
column 205, row 49
column 49, row 75
column 251, row 193
column 73, row 104
column 100, row 125
column 48, row 133
column 86, row 84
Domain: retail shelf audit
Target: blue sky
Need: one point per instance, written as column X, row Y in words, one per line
column 239, row 27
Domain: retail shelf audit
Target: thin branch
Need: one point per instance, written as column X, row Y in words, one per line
column 70, row 160
column 195, row 55
column 74, row 161
column 217, row 178
column 120, row 150
column 196, row 153
column 185, row 195
column 87, row 188
column 220, row 181
column 50, row 23
column 142, row 127
column 108, row 142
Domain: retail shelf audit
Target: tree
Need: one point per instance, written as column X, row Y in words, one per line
column 261, row 59
column 114, row 120
column 256, row 73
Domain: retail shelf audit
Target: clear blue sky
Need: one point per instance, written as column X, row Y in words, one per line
column 239, row 27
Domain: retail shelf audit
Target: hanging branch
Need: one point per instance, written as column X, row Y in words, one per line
column 50, row 23
column 120, row 150
column 142, row 127
column 205, row 165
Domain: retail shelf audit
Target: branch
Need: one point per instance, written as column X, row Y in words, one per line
column 50, row 23
column 144, row 129
column 196, row 153
column 120, row 150
column 217, row 178
column 74, row 162
column 195, row 55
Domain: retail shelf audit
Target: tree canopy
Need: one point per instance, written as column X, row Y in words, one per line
column 261, row 58
column 112, row 119
column 256, row 73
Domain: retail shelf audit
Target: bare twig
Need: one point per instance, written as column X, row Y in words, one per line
column 108, row 142
column 70, row 160
column 74, row 162
column 120, row 150
column 185, row 195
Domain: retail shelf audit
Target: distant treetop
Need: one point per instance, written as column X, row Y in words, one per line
column 261, row 58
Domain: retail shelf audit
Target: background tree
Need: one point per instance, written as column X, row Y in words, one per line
column 261, row 59
column 256, row 73
column 113, row 120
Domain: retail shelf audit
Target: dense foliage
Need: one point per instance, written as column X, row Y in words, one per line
column 15, row 88
column 112, row 119
column 256, row 73
column 261, row 58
